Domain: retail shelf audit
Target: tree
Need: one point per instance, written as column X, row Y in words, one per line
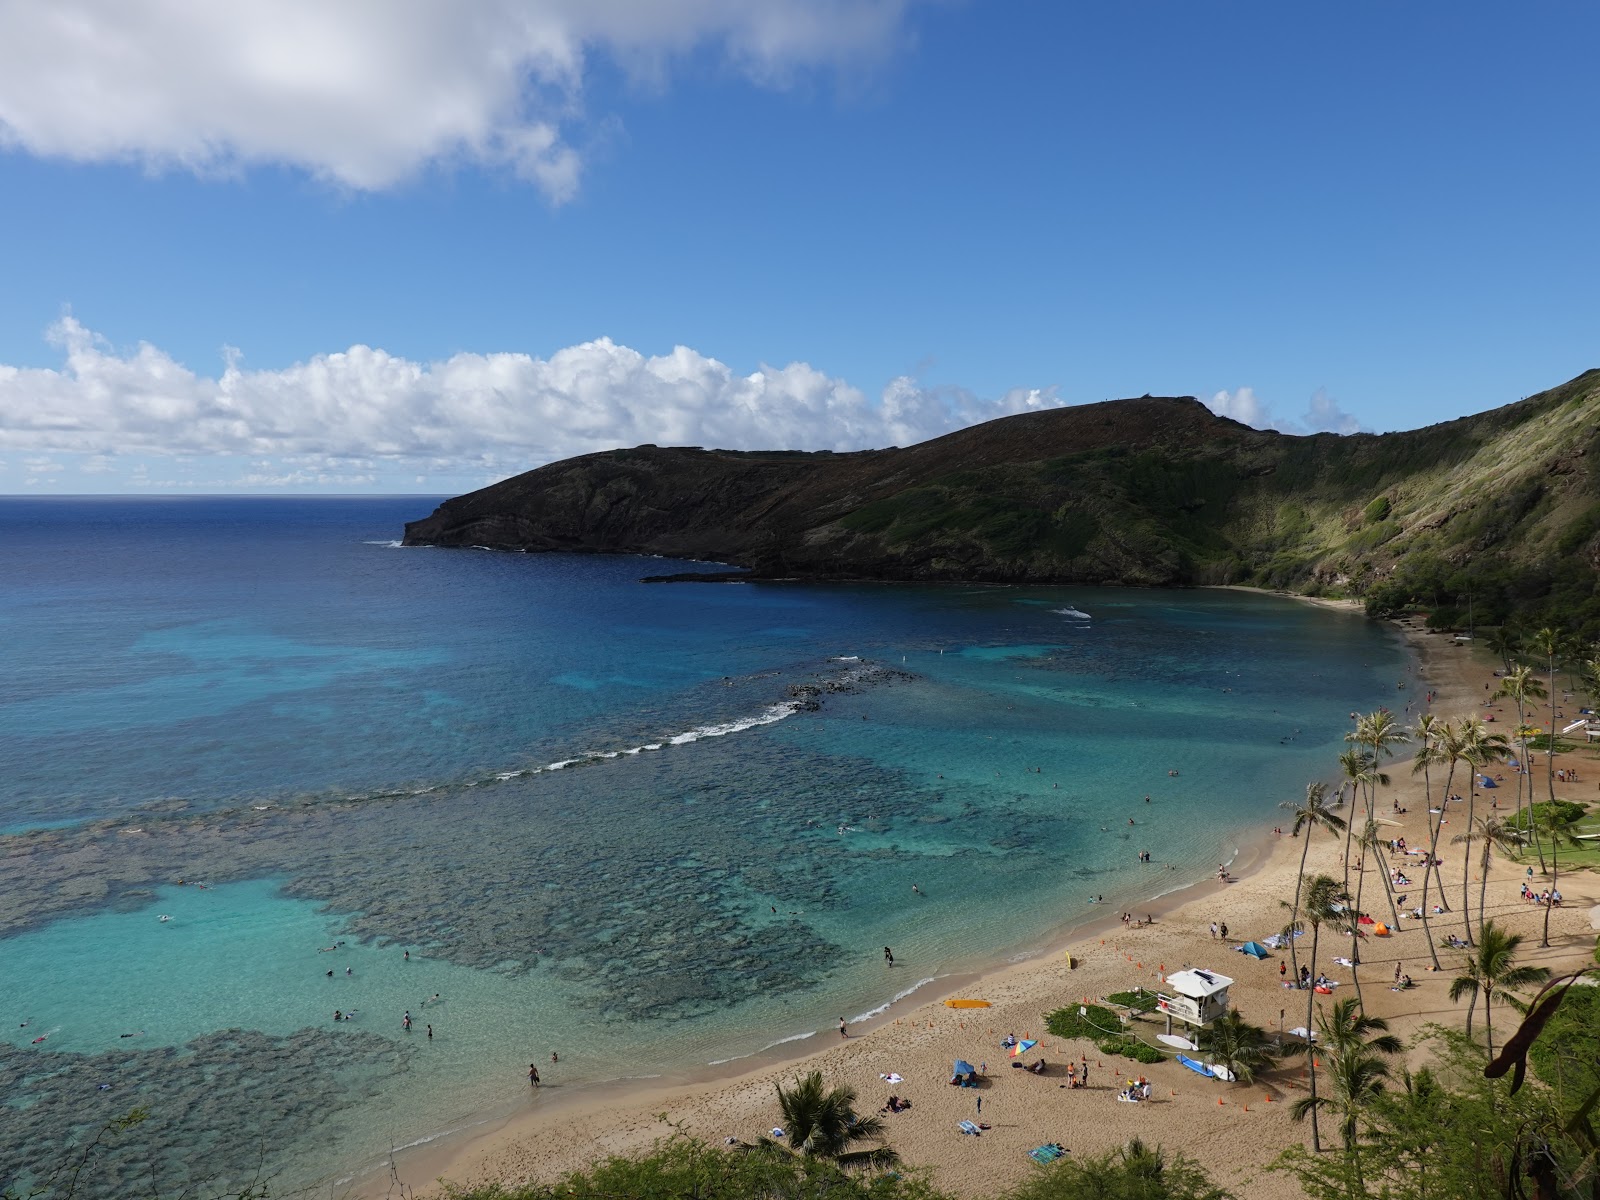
column 1428, row 734
column 1549, row 644
column 821, row 1122
column 1448, row 748
column 1505, row 642
column 1313, row 813
column 1134, row 1172
column 1479, row 748
column 1492, row 969
column 1556, row 821
column 1356, row 1046
column 1243, row 1048
column 1491, row 832
column 1325, row 903
column 1520, row 686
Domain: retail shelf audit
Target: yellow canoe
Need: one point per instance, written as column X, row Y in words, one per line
column 966, row 1004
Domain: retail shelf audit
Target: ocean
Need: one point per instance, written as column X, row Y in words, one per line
column 258, row 763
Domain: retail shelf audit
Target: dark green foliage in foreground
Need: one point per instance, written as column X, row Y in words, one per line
column 1135, row 1172
column 1566, row 1055
column 681, row 1168
column 1444, row 1132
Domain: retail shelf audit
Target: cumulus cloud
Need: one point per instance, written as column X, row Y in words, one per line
column 364, row 93
column 334, row 417
column 1323, row 413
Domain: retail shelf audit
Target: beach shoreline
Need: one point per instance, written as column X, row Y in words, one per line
column 917, row 1037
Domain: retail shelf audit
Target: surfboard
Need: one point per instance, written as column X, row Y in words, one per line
column 966, row 1004
column 1176, row 1042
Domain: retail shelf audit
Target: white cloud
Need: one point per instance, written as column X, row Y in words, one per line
column 365, row 93
column 335, row 418
column 1323, row 413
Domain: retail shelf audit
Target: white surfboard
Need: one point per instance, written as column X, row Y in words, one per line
column 1221, row 1072
column 1176, row 1042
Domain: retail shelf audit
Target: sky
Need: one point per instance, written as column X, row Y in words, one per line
column 409, row 246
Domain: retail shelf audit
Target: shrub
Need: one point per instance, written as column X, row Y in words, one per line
column 1138, row 1001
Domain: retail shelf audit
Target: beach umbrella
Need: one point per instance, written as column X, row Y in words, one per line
column 1023, row 1047
column 963, row 1067
column 1253, row 949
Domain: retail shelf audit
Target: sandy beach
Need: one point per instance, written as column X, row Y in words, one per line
column 1233, row 1130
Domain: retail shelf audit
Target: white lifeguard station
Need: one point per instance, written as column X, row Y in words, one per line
column 1196, row 997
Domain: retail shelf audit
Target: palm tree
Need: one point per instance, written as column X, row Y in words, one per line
column 1492, row 831
column 1491, row 968
column 1479, row 748
column 1549, row 643
column 1429, row 731
column 1356, row 767
column 1448, row 748
column 821, row 1122
column 1243, row 1048
column 1505, row 642
column 1325, row 903
column 1556, row 821
column 1520, row 685
column 1356, row 1045
column 1313, row 813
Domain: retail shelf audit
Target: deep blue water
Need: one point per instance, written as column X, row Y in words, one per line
column 348, row 741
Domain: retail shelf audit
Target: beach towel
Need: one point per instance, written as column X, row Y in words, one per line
column 893, row 1078
column 1199, row 1068
column 969, row 1127
column 1343, row 962
column 1046, row 1154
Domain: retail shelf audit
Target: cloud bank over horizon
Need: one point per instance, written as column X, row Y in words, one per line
column 365, row 94
column 363, row 417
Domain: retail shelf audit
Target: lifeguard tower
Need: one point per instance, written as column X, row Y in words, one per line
column 1196, row 997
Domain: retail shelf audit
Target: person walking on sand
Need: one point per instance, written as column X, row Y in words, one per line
column 843, row 1031
column 1213, row 931
column 1223, row 928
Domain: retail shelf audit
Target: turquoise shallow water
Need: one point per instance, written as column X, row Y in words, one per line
column 346, row 741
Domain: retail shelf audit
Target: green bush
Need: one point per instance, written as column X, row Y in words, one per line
column 1130, row 1047
column 1094, row 1022
column 1376, row 511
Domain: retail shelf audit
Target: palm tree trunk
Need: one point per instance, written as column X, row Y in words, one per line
column 1488, row 1019
column 1311, row 1045
column 1527, row 773
column 1555, row 876
column 1433, row 951
column 1294, row 913
column 1466, row 857
column 1483, row 885
column 1550, row 749
column 1433, row 850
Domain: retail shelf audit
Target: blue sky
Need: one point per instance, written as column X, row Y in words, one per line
column 765, row 222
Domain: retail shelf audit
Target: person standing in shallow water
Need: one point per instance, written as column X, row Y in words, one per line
column 533, row 1075
column 888, row 956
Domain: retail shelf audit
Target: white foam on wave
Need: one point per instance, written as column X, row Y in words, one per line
column 1069, row 611
column 895, row 999
column 771, row 716
column 794, row 1037
column 391, row 543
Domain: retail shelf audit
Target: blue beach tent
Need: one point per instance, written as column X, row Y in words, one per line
column 1485, row 782
column 1254, row 950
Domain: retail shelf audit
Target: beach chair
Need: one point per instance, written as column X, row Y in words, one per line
column 969, row 1127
